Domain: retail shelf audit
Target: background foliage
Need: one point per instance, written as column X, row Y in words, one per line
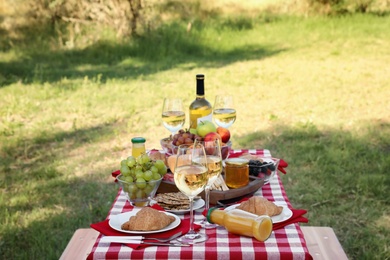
column 74, row 23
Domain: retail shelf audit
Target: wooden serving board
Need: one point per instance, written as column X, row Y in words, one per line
column 216, row 195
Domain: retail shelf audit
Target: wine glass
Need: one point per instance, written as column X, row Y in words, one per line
column 190, row 175
column 224, row 113
column 173, row 115
column 214, row 166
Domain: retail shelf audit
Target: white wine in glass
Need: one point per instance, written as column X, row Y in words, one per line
column 214, row 167
column 173, row 115
column 224, row 113
column 190, row 177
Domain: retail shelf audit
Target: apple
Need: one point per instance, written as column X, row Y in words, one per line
column 224, row 133
column 205, row 127
column 211, row 137
column 209, row 144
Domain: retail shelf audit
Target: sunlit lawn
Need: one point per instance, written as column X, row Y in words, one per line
column 315, row 91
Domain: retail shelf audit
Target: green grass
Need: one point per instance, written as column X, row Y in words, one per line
column 312, row 90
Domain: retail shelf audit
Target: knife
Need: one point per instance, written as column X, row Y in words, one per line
column 165, row 244
column 109, row 238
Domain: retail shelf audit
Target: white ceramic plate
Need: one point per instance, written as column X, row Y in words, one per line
column 286, row 213
column 116, row 222
column 197, row 205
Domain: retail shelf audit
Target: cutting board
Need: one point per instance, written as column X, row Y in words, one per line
column 216, row 195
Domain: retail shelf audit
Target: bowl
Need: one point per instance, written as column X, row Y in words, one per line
column 264, row 170
column 139, row 194
column 225, row 149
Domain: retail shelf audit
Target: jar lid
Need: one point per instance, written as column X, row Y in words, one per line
column 138, row 140
column 237, row 162
column 208, row 216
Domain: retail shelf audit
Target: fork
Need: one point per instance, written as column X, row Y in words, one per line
column 139, row 238
column 165, row 239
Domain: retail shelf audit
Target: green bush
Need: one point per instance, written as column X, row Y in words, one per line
column 70, row 23
column 349, row 6
column 328, row 6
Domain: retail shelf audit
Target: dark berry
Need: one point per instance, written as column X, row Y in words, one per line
column 271, row 167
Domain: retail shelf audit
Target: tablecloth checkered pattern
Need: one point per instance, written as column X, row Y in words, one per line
column 285, row 243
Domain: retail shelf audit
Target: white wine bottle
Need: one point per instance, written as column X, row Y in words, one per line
column 200, row 108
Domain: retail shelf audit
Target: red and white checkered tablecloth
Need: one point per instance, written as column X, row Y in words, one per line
column 285, row 243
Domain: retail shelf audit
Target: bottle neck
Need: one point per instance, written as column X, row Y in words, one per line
column 199, row 86
column 215, row 216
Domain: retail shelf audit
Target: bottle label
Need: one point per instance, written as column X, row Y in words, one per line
column 196, row 116
column 209, row 117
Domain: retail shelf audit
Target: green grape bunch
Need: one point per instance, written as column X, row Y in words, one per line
column 142, row 169
column 139, row 177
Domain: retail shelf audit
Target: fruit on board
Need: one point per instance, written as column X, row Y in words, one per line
column 260, row 168
column 208, row 139
column 212, row 136
column 205, row 127
column 224, row 133
column 188, row 136
column 184, row 137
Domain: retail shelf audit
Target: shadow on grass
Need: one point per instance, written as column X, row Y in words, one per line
column 163, row 49
column 340, row 177
column 69, row 204
column 31, row 154
column 31, row 181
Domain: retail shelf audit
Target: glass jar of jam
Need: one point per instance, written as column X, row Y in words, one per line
column 236, row 173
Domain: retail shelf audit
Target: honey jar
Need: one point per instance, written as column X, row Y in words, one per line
column 138, row 146
column 236, row 173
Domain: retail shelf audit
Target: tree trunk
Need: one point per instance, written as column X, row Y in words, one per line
column 135, row 7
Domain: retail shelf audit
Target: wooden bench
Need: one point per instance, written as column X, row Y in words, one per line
column 80, row 245
column 321, row 242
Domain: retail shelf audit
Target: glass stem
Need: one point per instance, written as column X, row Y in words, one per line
column 207, row 195
column 191, row 216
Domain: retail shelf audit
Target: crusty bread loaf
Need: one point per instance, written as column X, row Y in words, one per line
column 260, row 206
column 157, row 155
column 182, row 160
column 148, row 219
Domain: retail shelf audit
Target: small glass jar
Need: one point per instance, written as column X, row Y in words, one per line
column 138, row 146
column 236, row 173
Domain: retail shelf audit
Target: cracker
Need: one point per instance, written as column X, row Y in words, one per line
column 173, row 200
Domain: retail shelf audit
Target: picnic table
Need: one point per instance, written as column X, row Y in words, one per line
column 287, row 242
